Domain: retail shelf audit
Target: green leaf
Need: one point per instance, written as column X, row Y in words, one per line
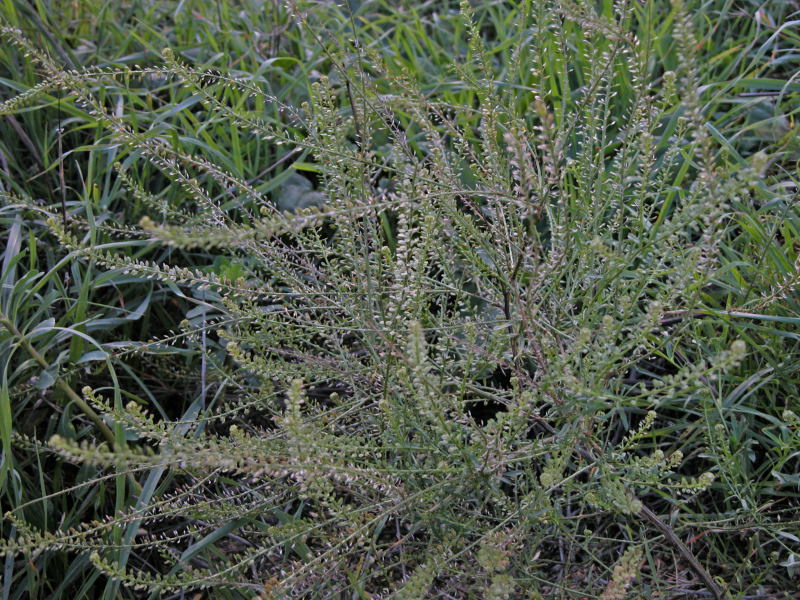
column 92, row 356
column 47, row 377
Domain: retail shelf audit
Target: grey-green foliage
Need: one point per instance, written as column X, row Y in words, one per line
column 439, row 365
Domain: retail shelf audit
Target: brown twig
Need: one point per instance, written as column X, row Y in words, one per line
column 673, row 539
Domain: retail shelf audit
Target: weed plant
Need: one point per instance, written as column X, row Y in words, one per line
column 491, row 301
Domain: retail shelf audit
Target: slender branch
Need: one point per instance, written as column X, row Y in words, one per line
column 60, row 383
column 670, row 535
column 708, row 581
column 64, row 387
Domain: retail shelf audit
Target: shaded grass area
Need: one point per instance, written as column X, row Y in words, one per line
column 72, row 319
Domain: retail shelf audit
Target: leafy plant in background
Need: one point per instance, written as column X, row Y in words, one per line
column 470, row 338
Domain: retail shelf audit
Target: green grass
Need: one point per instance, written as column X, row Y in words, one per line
column 375, row 301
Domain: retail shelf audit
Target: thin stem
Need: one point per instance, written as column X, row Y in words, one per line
column 60, row 383
column 64, row 387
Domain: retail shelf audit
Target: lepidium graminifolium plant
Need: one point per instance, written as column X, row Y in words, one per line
column 433, row 380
